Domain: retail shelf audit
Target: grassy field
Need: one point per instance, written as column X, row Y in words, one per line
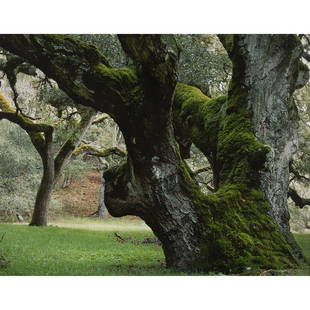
column 69, row 251
column 89, row 247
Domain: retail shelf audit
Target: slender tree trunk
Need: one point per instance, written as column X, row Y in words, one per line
column 44, row 194
column 102, row 209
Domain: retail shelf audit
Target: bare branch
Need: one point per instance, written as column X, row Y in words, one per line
column 299, row 201
column 296, row 173
column 99, row 152
column 101, row 118
column 200, row 170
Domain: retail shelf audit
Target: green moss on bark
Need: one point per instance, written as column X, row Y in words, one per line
column 237, row 234
column 196, row 119
column 236, row 231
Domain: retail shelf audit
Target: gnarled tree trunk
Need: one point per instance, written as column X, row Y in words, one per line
column 271, row 69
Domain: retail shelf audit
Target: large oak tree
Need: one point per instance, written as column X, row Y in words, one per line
column 248, row 136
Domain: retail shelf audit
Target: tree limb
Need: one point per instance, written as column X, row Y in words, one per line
column 102, row 152
column 33, row 129
column 296, row 173
column 156, row 57
column 101, row 118
column 78, row 68
column 201, row 169
column 24, row 122
column 299, row 201
column 11, row 67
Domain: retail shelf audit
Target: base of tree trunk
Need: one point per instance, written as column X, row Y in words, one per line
column 227, row 231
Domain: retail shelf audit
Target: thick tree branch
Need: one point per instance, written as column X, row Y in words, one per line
column 79, row 69
column 27, row 124
column 296, row 173
column 157, row 55
column 99, row 152
column 299, row 201
column 156, row 58
column 33, row 129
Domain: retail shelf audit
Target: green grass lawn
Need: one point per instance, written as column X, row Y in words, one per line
column 304, row 242
column 71, row 251
column 66, row 251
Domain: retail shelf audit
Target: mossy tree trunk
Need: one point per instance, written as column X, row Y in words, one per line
column 270, row 70
column 266, row 71
column 228, row 230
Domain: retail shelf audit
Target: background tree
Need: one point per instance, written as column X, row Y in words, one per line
column 41, row 136
column 40, row 99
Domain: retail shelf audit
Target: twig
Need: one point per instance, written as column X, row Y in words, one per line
column 2, row 237
column 119, row 237
column 137, row 242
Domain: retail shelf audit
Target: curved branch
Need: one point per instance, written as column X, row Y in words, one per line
column 296, row 173
column 201, row 169
column 79, row 68
column 33, row 129
column 299, row 201
column 24, row 122
column 101, row 118
column 99, row 152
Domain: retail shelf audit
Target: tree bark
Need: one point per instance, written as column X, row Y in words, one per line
column 271, row 70
column 102, row 209
column 44, row 194
column 229, row 230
